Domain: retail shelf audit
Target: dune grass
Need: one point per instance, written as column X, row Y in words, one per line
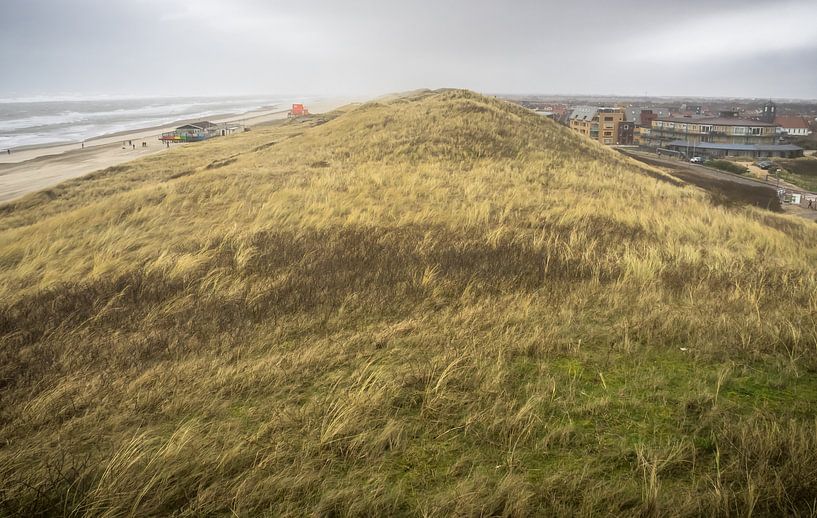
column 438, row 304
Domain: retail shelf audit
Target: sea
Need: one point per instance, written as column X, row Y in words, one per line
column 43, row 121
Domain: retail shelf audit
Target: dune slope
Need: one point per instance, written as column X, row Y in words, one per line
column 433, row 304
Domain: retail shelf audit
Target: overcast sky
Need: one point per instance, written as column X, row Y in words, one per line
column 750, row 48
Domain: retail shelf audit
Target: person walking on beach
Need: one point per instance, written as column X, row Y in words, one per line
column 8, row 151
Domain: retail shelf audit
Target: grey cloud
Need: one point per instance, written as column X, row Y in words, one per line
column 370, row 47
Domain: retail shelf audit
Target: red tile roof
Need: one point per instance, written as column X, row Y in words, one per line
column 791, row 121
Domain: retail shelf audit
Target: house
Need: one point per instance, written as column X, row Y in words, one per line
column 625, row 133
column 793, row 125
column 642, row 121
column 559, row 112
column 193, row 132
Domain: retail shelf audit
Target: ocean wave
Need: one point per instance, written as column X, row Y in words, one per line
column 77, row 121
column 166, row 111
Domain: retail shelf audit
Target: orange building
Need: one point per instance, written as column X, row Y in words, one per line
column 298, row 110
column 600, row 124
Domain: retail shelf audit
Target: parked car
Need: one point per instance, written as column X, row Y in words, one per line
column 764, row 164
column 697, row 160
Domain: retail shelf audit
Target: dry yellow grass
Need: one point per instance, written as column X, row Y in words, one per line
column 435, row 304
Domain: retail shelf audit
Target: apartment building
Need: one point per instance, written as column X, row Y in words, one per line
column 600, row 124
column 719, row 137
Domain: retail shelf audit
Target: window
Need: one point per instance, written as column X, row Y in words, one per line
column 608, row 141
column 739, row 130
column 608, row 133
column 706, row 129
column 608, row 119
column 757, row 131
column 608, row 125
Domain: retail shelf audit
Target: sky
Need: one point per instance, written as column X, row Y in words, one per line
column 734, row 48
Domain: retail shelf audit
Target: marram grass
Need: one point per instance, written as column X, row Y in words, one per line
column 435, row 305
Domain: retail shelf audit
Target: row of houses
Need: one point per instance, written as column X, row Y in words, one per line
column 692, row 132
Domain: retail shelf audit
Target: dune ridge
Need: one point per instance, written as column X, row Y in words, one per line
column 432, row 304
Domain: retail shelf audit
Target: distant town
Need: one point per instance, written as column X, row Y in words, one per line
column 710, row 128
column 735, row 143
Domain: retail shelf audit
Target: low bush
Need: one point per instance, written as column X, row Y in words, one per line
column 726, row 165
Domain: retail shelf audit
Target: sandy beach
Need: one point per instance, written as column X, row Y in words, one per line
column 36, row 168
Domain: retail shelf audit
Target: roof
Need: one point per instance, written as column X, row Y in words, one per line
column 778, row 147
column 717, row 121
column 638, row 114
column 791, row 121
column 199, row 125
column 633, row 114
column 584, row 113
column 737, row 147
